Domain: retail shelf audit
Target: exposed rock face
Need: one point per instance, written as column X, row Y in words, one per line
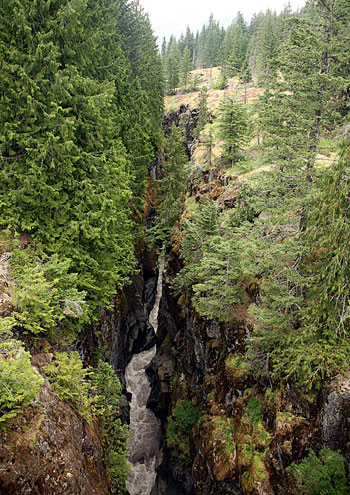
column 5, row 291
column 231, row 451
column 51, row 450
column 335, row 422
column 187, row 119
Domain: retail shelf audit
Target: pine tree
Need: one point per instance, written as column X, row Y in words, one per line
column 185, row 67
column 171, row 189
column 172, row 65
column 232, row 129
column 203, row 112
column 236, row 51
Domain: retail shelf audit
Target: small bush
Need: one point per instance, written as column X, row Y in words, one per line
column 180, row 424
column 19, row 384
column 70, row 381
column 323, row 475
column 43, row 291
column 107, row 386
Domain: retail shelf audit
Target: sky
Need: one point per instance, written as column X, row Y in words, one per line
column 172, row 16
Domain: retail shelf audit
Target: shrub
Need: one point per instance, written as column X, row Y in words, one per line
column 19, row 384
column 107, row 386
column 180, row 424
column 43, row 291
column 70, row 381
column 323, row 475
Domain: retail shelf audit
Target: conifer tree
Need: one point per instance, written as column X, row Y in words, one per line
column 198, row 231
column 185, row 67
column 208, row 144
column 203, row 112
column 267, row 49
column 232, row 128
column 65, row 121
column 171, row 189
column 172, row 65
column 237, row 46
column 295, row 109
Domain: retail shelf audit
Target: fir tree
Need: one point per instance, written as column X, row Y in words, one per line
column 172, row 65
column 232, row 128
column 185, row 67
column 171, row 189
column 235, row 59
column 203, row 112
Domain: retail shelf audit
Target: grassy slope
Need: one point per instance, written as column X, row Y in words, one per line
column 248, row 94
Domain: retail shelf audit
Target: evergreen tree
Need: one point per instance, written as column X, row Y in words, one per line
column 163, row 49
column 185, row 67
column 210, row 40
column 208, row 143
column 267, row 49
column 141, row 132
column 236, row 51
column 171, row 189
column 203, row 112
column 172, row 66
column 232, row 128
column 189, row 43
column 198, row 232
column 66, row 118
column 295, row 109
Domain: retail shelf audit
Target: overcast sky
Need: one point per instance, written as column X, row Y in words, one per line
column 172, row 16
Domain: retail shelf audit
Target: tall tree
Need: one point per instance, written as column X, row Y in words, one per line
column 185, row 67
column 65, row 119
column 236, row 43
column 172, row 65
column 232, row 128
column 171, row 189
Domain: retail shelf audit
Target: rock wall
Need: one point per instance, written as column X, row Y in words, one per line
column 49, row 449
column 246, row 437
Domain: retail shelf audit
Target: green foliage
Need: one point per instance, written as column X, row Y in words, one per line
column 185, row 67
column 203, row 112
column 232, row 129
column 44, row 292
column 211, row 276
column 180, row 424
column 81, row 120
column 197, row 232
column 116, row 460
column 107, row 388
column 6, row 325
column 171, row 189
column 217, row 289
column 235, row 46
column 224, row 429
column 328, row 268
column 222, row 81
column 71, row 381
column 323, row 475
column 172, row 66
column 19, row 383
column 95, row 392
column 254, row 410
